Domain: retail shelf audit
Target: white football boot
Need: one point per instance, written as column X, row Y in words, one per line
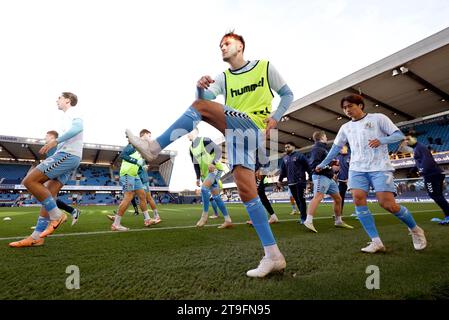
column 149, row 149
column 119, row 228
column 267, row 266
column 419, row 239
column 374, row 247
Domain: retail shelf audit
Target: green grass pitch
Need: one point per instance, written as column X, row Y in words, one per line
column 176, row 260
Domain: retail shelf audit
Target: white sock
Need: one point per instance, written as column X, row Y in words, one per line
column 377, row 240
column 228, row 218
column 274, row 216
column 117, row 220
column 309, row 219
column 204, row 214
column 146, row 216
column 55, row 213
column 155, row 214
column 338, row 220
column 272, row 252
column 36, row 235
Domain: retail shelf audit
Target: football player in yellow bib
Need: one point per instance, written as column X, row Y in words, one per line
column 245, row 120
column 206, row 156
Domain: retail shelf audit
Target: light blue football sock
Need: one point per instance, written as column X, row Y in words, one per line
column 205, row 195
column 49, row 203
column 405, row 216
column 214, row 206
column 367, row 221
column 189, row 120
column 259, row 218
column 221, row 205
column 42, row 224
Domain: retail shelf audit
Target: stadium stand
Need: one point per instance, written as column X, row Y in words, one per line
column 13, row 173
column 7, row 198
column 156, row 179
column 433, row 132
column 96, row 181
column 95, row 176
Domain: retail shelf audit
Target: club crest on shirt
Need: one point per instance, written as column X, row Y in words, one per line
column 368, row 125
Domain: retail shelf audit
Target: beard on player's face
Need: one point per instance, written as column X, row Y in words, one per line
column 230, row 51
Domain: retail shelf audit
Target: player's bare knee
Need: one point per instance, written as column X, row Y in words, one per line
column 128, row 196
column 246, row 194
column 200, row 105
column 207, row 184
column 389, row 206
column 27, row 181
column 319, row 196
column 337, row 200
column 359, row 200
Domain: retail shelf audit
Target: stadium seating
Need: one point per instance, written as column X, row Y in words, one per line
column 156, row 179
column 435, row 135
column 13, row 173
column 8, row 196
column 95, row 176
column 89, row 198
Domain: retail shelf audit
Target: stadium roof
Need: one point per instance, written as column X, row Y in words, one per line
column 407, row 85
column 19, row 148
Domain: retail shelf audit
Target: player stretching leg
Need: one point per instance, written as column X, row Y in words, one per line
column 244, row 117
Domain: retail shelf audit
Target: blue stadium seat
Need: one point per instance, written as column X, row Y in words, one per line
column 13, row 173
column 435, row 135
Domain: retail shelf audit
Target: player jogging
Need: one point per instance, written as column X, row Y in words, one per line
column 45, row 181
column 74, row 212
column 432, row 174
column 368, row 135
column 323, row 183
column 143, row 174
column 132, row 163
column 205, row 155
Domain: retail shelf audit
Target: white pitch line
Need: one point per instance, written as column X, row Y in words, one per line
column 179, row 227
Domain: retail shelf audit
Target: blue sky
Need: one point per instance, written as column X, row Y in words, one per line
column 135, row 63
